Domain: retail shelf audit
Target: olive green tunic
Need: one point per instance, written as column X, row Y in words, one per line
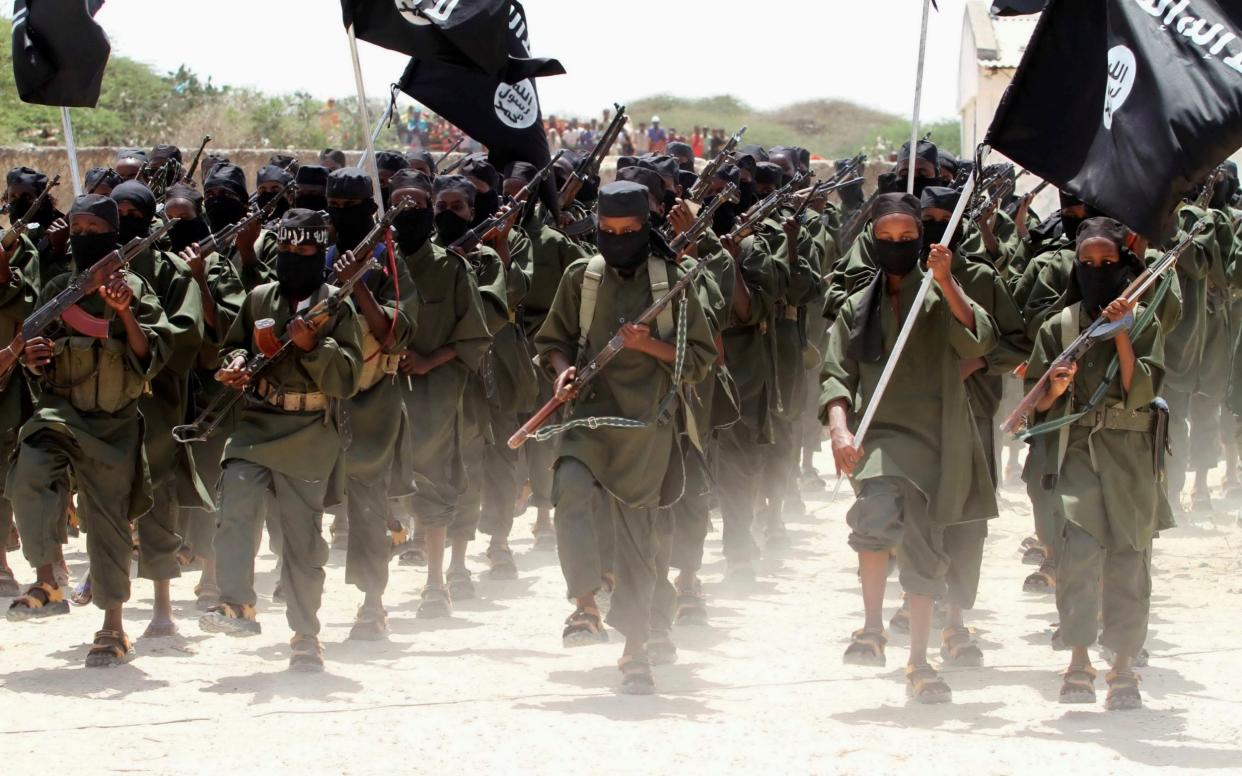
column 301, row 445
column 923, row 430
column 1107, row 484
column 640, row 467
column 551, row 254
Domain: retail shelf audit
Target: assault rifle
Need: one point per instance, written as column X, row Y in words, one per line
column 15, row 232
column 367, row 245
column 188, row 175
column 1209, row 188
column 223, row 239
column 823, row 188
column 764, row 207
column 589, row 166
column 679, row 246
column 698, row 192
column 1100, row 330
column 65, row 304
column 486, row 230
column 272, row 351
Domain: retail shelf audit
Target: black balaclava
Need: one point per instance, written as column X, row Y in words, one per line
column 97, row 177
column 624, row 252
column 940, row 198
column 1070, row 224
column 451, row 227
column 300, row 276
column 270, row 173
column 19, row 207
column 725, row 217
column 897, row 258
column 1099, row 286
column 138, row 195
column 925, row 151
column 413, row 225
column 486, row 203
column 389, row 161
column 90, row 248
column 353, row 221
column 221, row 210
column 312, row 181
column 187, row 231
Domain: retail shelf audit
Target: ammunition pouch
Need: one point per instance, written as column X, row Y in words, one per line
column 291, row 402
column 1163, row 445
column 376, row 364
column 94, row 375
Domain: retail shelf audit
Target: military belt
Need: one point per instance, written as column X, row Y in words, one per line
column 292, row 402
column 1115, row 419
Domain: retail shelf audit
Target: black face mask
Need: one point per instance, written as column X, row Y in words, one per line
column 450, row 227
column 1070, row 225
column 933, row 233
column 746, row 196
column 311, row 202
column 299, row 276
column 386, row 196
column 623, row 251
column 486, row 203
column 851, row 197
column 1221, row 195
column 897, row 258
column 186, row 232
column 352, row 223
column 18, row 208
column 724, row 219
column 265, row 198
column 670, row 201
column 90, row 248
column 413, row 228
column 589, row 191
column 1100, row 285
column 223, row 211
column 133, row 226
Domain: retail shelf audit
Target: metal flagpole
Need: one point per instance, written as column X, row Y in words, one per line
column 71, row 146
column 918, row 97
column 907, row 326
column 368, row 157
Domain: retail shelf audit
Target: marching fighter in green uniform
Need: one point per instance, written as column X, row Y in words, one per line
column 921, row 468
column 86, row 426
column 377, row 459
column 599, row 468
column 1108, row 485
column 450, row 340
column 174, row 481
column 287, row 442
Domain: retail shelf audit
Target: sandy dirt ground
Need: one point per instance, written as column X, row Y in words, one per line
column 761, row 690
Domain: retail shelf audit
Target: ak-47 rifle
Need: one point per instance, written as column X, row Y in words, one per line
column 1100, row 330
column 188, row 174
column 1204, row 200
column 366, row 246
column 589, row 166
column 486, row 230
column 15, row 232
column 851, row 168
column 435, row 164
column 698, row 192
column 752, row 218
column 64, row 304
column 223, row 239
column 272, row 350
column 682, row 243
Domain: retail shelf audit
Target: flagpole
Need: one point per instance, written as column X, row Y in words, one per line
column 368, row 157
column 918, row 98
column 71, row 146
column 907, row 326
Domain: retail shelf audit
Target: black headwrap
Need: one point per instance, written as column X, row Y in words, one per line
column 800, row 157
column 477, row 166
column 686, row 179
column 390, row 160
column 132, row 153
column 730, row 173
column 136, row 194
column 926, row 151
column 768, row 174
column 459, row 183
column 564, row 166
column 626, row 161
column 312, row 175
column 166, row 151
column 410, row 179
column 213, row 160
column 285, row 162
column 300, row 226
column 26, row 176
column 753, row 152
column 188, row 193
column 621, row 199
column 96, row 205
column 939, row 197
column 664, row 165
column 866, row 340
column 332, row 155
column 947, row 159
column 422, row 156
column 350, row 183
column 523, row 171
column 229, row 177
column 270, row 173
column 105, row 176
column 645, row 177
column 683, row 153
column 1102, row 226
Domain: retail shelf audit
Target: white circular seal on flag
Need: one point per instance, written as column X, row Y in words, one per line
column 517, row 105
column 409, row 10
column 1122, row 69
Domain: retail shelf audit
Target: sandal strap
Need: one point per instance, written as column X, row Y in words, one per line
column 1122, row 678
column 113, row 641
column 870, row 636
column 585, row 617
column 1086, row 670
column 634, row 664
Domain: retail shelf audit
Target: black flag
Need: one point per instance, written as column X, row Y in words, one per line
column 1017, row 7
column 503, row 116
column 59, row 52
column 466, row 33
column 1127, row 104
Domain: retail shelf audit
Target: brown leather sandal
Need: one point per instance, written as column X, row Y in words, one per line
column 866, row 648
column 924, row 685
column 41, row 600
column 111, row 648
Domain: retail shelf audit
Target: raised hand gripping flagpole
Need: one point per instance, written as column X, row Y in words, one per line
column 906, row 327
column 918, row 97
column 368, row 157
